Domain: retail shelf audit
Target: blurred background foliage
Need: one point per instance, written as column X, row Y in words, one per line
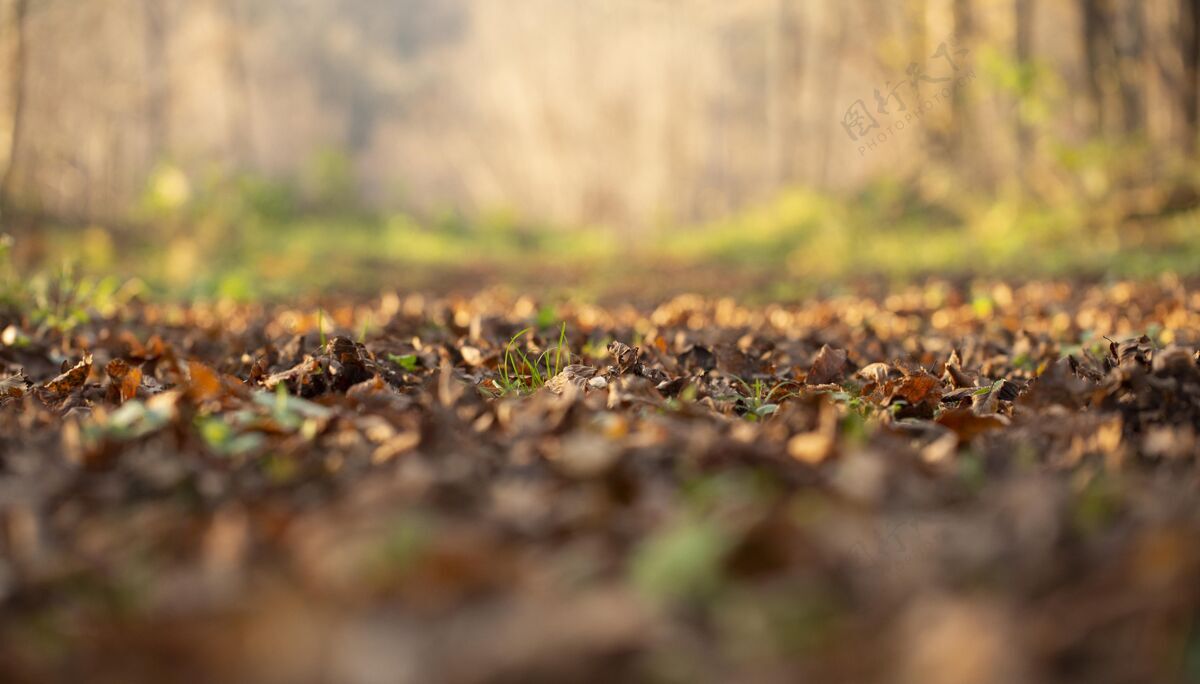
column 242, row 149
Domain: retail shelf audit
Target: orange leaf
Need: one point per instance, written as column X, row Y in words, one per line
column 130, row 384
column 918, row 388
column 204, row 382
column 124, row 381
column 72, row 379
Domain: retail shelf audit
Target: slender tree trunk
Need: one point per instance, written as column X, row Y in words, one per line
column 241, row 122
column 775, row 91
column 154, row 15
column 1129, row 48
column 919, row 54
column 784, row 82
column 964, row 28
column 13, row 26
column 1189, row 88
column 837, row 44
column 1024, row 49
column 1097, row 45
column 793, row 65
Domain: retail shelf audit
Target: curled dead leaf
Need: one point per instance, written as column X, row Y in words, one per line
column 575, row 374
column 875, row 374
column 70, row 380
column 347, row 363
column 305, row 379
column 955, row 375
column 123, row 381
column 827, row 367
column 624, row 356
column 13, row 387
column 918, row 388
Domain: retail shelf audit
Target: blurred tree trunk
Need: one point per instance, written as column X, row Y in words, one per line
column 964, row 28
column 241, row 124
column 1189, row 89
column 787, row 85
column 1113, row 35
column 1024, row 47
column 919, row 55
column 775, row 89
column 838, row 45
column 1129, row 43
column 13, row 14
column 795, row 64
column 1097, row 46
column 154, row 17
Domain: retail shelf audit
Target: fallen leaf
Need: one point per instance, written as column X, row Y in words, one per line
column 918, row 388
column 828, row 366
column 123, row 381
column 14, row 386
column 72, row 379
column 204, row 383
column 875, row 374
column 968, row 424
column 575, row 374
column 624, row 356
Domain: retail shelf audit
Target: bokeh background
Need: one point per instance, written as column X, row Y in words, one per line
column 245, row 148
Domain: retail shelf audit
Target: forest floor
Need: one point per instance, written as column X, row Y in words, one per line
column 944, row 482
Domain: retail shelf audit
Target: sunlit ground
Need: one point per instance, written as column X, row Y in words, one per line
column 782, row 249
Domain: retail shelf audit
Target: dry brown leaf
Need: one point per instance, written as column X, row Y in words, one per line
column 918, row 388
column 123, row 381
column 72, row 379
column 574, row 374
column 14, row 386
column 204, row 383
column 624, row 356
column 828, row 366
column 875, row 373
column 968, row 424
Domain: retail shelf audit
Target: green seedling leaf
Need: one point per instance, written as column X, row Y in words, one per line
column 223, row 439
column 984, row 391
column 288, row 408
column 407, row 361
column 766, row 410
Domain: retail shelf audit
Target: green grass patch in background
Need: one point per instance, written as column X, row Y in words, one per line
column 246, row 238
